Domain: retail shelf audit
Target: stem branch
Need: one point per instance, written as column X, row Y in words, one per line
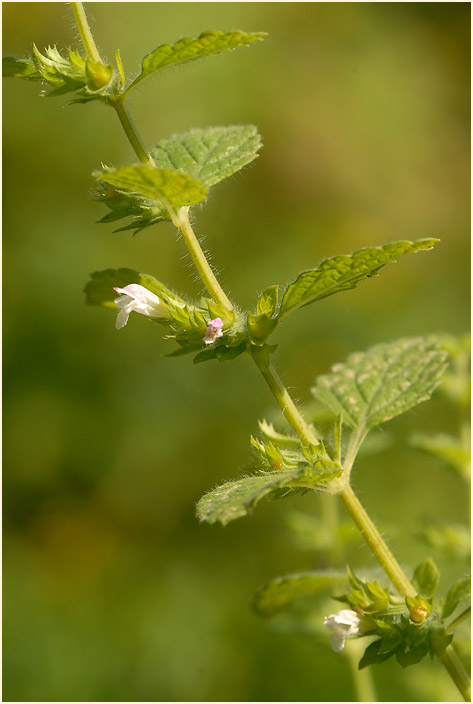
column 131, row 132
column 85, row 33
column 181, row 221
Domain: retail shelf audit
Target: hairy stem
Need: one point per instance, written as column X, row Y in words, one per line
column 181, row 221
column 85, row 33
column 367, row 528
column 131, row 132
column 284, row 400
column 375, row 542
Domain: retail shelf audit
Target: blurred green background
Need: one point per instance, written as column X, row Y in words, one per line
column 112, row 590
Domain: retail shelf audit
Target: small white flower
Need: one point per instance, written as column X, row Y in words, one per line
column 214, row 330
column 138, row 299
column 343, row 624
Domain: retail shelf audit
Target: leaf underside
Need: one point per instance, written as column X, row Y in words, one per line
column 186, row 50
column 374, row 386
column 237, row 498
column 344, row 272
column 278, row 593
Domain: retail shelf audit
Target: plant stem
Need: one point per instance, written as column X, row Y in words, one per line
column 131, row 132
column 181, row 221
column 457, row 672
column 362, row 679
column 375, row 542
column 367, row 528
column 85, row 33
column 284, row 400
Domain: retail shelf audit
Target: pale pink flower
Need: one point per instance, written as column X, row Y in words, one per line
column 214, row 330
column 138, row 299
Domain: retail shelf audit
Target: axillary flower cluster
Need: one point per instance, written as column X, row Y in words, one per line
column 135, row 298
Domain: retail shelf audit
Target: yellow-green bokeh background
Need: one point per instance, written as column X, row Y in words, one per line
column 112, row 590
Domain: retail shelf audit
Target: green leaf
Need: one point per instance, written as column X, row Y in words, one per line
column 374, row 386
column 209, row 155
column 446, row 448
column 375, row 654
column 18, row 68
column 439, row 640
column 268, row 301
column 237, row 498
column 426, row 577
column 458, row 593
column 278, row 593
column 185, row 50
column 100, row 289
column 345, row 271
column 170, row 188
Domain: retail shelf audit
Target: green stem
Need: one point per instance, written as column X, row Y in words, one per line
column 181, row 221
column 131, row 133
column 85, row 33
column 457, row 672
column 375, row 542
column 368, row 530
column 456, row 621
column 362, row 679
column 281, row 394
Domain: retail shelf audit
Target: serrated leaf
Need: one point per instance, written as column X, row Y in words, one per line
column 458, row 593
column 209, row 155
column 374, row 386
column 186, row 50
column 278, row 593
column 171, row 188
column 426, row 577
column 100, row 289
column 344, row 272
column 237, row 498
column 18, row 68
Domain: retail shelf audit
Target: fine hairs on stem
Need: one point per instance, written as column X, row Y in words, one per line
column 361, row 394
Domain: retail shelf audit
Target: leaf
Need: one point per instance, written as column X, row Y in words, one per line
column 374, row 386
column 375, row 654
column 171, row 188
column 426, row 577
column 344, row 272
column 209, row 155
column 18, row 68
column 237, row 498
column 100, row 289
column 458, row 593
column 268, row 301
column 185, row 50
column 446, row 448
column 278, row 593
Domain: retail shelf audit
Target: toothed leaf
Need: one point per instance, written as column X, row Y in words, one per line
column 185, row 50
column 209, row 155
column 345, row 271
column 374, row 386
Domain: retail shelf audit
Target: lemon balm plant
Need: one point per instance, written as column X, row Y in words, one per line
column 405, row 620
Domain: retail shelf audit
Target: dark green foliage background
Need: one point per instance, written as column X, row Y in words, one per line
column 112, row 591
